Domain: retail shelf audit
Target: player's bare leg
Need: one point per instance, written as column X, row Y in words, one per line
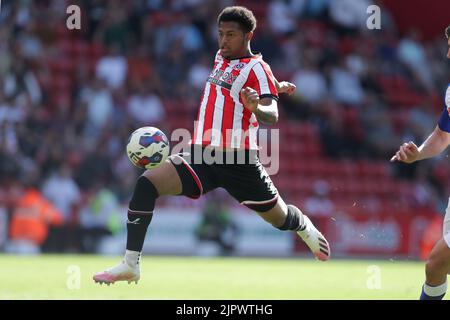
column 163, row 180
column 436, row 270
column 277, row 215
column 438, row 264
column 289, row 217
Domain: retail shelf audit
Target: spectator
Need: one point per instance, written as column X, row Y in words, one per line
column 112, row 68
column 99, row 219
column 311, row 84
column 99, row 106
column 199, row 72
column 349, row 14
column 319, row 204
column 281, row 17
column 61, row 189
column 145, row 108
column 217, row 225
column 114, row 29
column 21, row 84
column 412, row 53
column 379, row 131
column 30, row 44
column 188, row 34
column 345, row 85
column 31, row 218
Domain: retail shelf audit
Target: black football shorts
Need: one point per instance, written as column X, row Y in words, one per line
column 240, row 172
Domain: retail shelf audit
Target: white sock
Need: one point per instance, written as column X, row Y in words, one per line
column 435, row 291
column 132, row 257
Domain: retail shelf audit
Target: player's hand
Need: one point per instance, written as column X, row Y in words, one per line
column 250, row 98
column 407, row 153
column 286, row 87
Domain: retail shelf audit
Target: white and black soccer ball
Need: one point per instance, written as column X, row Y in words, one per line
column 147, row 147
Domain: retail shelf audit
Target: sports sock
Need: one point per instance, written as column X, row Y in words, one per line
column 433, row 293
column 294, row 219
column 140, row 213
column 132, row 257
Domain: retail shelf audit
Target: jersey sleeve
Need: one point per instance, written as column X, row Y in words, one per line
column 264, row 81
column 444, row 120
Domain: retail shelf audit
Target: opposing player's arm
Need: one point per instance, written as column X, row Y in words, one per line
column 265, row 109
column 285, row 87
column 437, row 142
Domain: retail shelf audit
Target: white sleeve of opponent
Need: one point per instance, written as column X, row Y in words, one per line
column 447, row 97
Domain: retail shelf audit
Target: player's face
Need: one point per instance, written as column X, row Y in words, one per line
column 233, row 42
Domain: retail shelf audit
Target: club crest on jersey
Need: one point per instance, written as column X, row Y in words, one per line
column 239, row 66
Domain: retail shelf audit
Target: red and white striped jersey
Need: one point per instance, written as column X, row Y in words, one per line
column 223, row 121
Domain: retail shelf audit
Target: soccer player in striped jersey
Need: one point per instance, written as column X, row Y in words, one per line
column 438, row 264
column 240, row 92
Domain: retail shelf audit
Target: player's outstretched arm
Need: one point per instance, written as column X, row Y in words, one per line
column 432, row 146
column 265, row 109
column 285, row 87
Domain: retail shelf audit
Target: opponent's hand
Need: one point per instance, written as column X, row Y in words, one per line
column 286, row 87
column 250, row 98
column 407, row 153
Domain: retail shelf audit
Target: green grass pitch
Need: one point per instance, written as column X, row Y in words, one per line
column 185, row 278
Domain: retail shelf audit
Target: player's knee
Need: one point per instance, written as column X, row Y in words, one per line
column 430, row 269
column 144, row 195
column 165, row 179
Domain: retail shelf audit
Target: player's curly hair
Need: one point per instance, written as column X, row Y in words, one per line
column 239, row 14
column 447, row 32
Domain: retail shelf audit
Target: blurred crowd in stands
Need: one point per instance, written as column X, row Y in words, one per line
column 70, row 98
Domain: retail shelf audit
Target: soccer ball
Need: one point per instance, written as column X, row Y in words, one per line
column 147, row 147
